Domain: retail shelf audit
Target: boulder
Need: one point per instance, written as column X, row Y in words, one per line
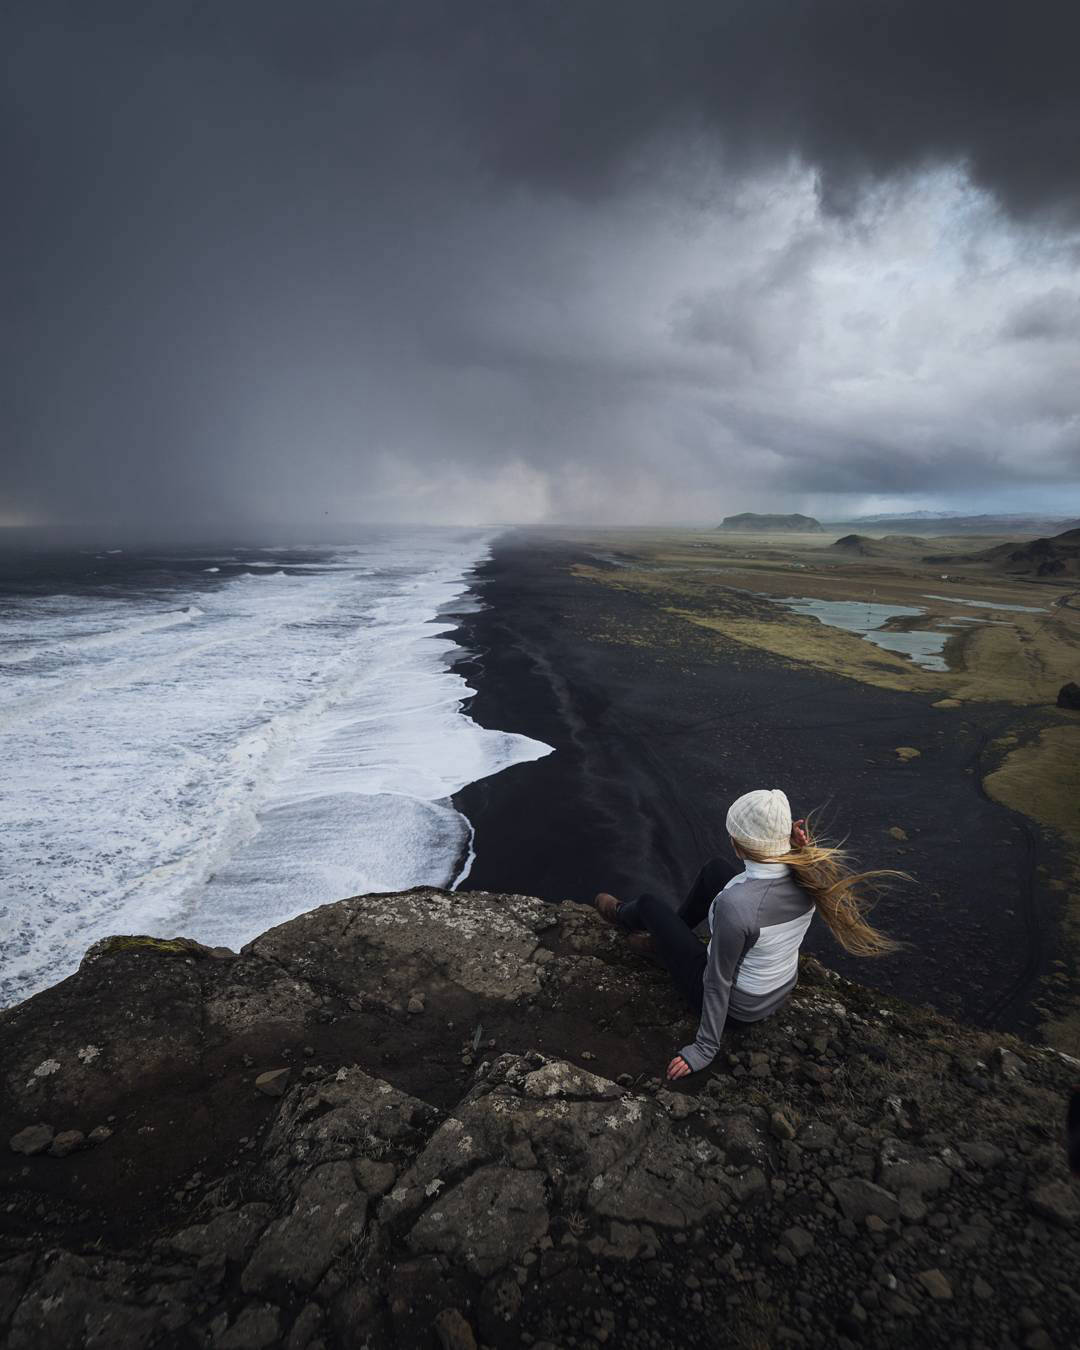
column 257, row 1327
column 453, row 1331
column 67, row 1141
column 742, row 1141
column 32, row 1139
column 273, row 1082
column 935, row 1284
column 125, row 1305
column 1069, row 696
column 558, row 1079
column 982, row 1153
column 798, row 1241
column 327, row 1217
column 902, row 1167
column 817, row 1136
column 1006, row 1064
column 227, row 1237
column 489, row 1219
column 780, row 1126
column 422, row 938
column 1058, row 1201
column 858, row 1198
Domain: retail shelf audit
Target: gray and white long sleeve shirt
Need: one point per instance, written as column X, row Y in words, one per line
column 757, row 924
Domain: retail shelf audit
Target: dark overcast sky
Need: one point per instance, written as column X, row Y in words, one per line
column 468, row 261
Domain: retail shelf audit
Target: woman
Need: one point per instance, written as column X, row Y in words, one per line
column 757, row 920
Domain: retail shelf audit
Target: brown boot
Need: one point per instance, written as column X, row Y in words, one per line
column 606, row 905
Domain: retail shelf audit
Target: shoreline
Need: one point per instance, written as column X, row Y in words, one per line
column 289, row 714
column 654, row 736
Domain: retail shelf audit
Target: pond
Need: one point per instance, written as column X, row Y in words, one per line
column 987, row 604
column 865, row 617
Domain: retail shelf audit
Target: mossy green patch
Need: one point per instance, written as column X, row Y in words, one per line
column 164, row 946
column 1042, row 781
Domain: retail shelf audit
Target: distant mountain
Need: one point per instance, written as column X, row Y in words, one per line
column 751, row 521
column 910, row 515
column 949, row 522
column 1055, row 557
column 891, row 546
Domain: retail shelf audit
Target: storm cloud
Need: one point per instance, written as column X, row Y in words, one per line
column 604, row 261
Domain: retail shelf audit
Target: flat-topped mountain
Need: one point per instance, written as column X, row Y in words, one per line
column 435, row 1119
column 750, row 520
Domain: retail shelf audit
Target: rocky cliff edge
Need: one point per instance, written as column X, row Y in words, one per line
column 435, row 1119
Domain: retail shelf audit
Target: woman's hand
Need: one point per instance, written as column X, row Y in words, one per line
column 799, row 837
column 678, row 1068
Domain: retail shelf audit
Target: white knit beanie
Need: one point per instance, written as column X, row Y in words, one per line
column 762, row 821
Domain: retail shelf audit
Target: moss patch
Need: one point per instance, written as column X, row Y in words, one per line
column 1042, row 780
column 164, row 946
column 812, row 643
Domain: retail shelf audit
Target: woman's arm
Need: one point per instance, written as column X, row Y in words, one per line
column 729, row 941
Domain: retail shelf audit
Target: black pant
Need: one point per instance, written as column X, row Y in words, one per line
column 672, row 929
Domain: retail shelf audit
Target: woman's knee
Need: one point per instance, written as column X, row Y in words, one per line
column 647, row 905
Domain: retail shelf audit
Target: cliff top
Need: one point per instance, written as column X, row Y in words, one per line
column 434, row 1119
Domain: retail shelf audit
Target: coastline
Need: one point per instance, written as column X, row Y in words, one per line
column 654, row 734
column 211, row 740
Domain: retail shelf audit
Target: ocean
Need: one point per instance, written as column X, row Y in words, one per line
column 206, row 742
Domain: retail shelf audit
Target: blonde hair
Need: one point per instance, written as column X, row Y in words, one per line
column 825, row 873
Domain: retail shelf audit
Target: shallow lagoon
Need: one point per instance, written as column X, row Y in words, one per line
column 858, row 616
column 988, row 604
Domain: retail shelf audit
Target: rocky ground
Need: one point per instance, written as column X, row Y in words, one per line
column 435, row 1119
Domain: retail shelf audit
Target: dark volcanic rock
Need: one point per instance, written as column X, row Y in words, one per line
column 228, row 1237
column 489, row 1218
column 94, row 1302
column 1069, row 696
column 32, row 1139
column 327, row 1216
column 860, row 1198
column 273, row 1082
column 394, row 1196
column 67, row 1141
column 1058, row 1201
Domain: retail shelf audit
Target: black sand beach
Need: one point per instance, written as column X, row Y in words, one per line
column 653, row 738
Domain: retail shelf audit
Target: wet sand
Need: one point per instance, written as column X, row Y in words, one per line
column 657, row 726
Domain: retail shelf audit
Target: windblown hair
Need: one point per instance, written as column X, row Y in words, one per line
column 839, row 893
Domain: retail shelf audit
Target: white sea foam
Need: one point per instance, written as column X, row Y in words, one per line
column 219, row 763
column 75, row 640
